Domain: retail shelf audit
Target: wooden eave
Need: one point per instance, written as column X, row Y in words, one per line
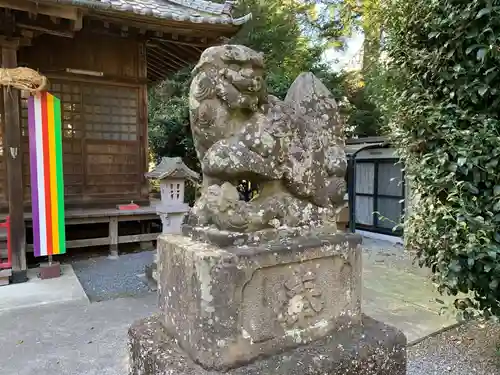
column 163, row 25
column 170, row 44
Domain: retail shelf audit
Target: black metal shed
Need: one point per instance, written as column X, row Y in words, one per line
column 376, row 186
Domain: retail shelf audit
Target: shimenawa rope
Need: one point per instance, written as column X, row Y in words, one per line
column 23, row 79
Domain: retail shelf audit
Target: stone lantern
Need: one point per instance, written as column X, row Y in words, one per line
column 172, row 174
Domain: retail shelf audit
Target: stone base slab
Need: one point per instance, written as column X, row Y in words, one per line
column 370, row 349
column 5, row 276
column 50, row 271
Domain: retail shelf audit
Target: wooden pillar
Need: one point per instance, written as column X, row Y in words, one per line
column 143, row 120
column 13, row 155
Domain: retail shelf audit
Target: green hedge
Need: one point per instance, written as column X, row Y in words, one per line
column 439, row 90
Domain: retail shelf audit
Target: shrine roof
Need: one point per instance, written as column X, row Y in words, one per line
column 195, row 11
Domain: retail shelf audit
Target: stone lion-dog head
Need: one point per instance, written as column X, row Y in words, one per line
column 232, row 73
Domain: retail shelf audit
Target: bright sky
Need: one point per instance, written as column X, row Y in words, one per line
column 339, row 59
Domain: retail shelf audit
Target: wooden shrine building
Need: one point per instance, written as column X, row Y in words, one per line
column 99, row 56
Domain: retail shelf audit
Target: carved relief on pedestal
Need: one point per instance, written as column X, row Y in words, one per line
column 295, row 297
column 304, row 299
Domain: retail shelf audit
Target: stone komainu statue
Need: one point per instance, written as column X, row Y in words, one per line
column 268, row 286
column 292, row 149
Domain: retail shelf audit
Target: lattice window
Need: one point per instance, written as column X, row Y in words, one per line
column 110, row 113
column 93, row 111
column 71, row 108
column 70, row 96
column 24, row 117
column 3, row 171
column 175, row 191
column 1, row 136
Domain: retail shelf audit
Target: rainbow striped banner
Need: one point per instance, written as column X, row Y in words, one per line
column 46, row 165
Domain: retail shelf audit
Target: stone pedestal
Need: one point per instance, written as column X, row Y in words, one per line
column 291, row 305
column 171, row 219
column 370, row 348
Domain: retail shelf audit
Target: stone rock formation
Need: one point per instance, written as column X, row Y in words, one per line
column 267, row 286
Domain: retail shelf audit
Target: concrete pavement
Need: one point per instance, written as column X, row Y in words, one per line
column 400, row 293
column 38, row 292
column 70, row 336
column 70, row 339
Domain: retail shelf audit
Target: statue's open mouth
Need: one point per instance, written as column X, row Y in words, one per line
column 248, row 86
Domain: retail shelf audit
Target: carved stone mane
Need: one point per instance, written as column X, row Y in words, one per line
column 293, row 149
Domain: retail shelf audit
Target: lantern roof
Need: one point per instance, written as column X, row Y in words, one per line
column 172, row 168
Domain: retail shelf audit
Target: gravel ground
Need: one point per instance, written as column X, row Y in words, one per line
column 470, row 349
column 105, row 279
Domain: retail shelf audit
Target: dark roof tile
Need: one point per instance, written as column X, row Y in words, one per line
column 196, row 11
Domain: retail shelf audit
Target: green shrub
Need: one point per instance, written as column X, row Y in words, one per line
column 439, row 90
